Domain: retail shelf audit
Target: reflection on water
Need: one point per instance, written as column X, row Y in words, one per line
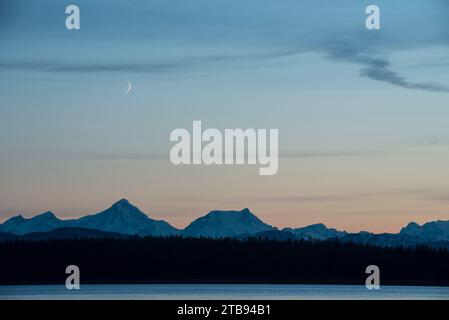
column 220, row 291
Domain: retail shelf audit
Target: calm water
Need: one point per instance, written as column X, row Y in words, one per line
column 224, row 292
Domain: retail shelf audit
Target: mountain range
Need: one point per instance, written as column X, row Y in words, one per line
column 124, row 219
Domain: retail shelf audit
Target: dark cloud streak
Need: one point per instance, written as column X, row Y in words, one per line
column 379, row 69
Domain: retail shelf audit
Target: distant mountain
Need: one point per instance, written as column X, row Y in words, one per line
column 316, row 232
column 380, row 240
column 122, row 217
column 219, row 224
column 431, row 231
column 125, row 218
column 41, row 223
column 421, row 236
column 392, row 240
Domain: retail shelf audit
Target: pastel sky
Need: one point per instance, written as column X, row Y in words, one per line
column 363, row 116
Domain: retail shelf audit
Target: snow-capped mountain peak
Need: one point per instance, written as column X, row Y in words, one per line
column 40, row 223
column 218, row 224
column 15, row 220
column 123, row 217
column 316, row 231
column 411, row 229
column 435, row 230
column 45, row 216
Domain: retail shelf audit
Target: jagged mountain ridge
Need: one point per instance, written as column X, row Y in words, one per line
column 435, row 230
column 126, row 219
column 41, row 223
column 316, row 231
column 122, row 217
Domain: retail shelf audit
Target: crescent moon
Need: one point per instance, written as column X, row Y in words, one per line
column 129, row 87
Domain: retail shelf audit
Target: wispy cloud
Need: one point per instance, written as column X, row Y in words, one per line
column 96, row 67
column 156, row 66
column 329, row 154
column 378, row 69
column 421, row 193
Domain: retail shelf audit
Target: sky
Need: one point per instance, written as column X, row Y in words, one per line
column 362, row 114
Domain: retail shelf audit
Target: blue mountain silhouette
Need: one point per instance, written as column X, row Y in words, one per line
column 123, row 218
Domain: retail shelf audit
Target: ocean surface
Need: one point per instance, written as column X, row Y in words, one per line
column 220, row 291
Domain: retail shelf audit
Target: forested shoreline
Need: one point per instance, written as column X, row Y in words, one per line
column 199, row 260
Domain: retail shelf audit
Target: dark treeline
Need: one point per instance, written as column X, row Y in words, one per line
column 178, row 260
